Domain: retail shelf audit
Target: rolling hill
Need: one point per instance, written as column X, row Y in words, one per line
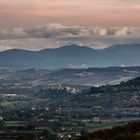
column 72, row 56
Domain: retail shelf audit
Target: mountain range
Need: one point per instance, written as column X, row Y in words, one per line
column 73, row 56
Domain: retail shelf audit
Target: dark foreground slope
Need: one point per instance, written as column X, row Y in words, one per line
column 130, row 131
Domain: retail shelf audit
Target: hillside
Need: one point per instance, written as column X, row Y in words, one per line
column 129, row 86
column 74, row 77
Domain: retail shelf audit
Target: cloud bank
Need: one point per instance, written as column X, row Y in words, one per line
column 55, row 35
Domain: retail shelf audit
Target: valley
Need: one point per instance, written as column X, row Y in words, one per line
column 65, row 109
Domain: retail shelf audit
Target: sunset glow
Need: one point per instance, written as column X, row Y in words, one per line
column 71, row 12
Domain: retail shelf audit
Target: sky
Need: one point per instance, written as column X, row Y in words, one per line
column 39, row 24
column 15, row 13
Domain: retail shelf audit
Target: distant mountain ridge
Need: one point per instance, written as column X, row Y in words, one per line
column 72, row 56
